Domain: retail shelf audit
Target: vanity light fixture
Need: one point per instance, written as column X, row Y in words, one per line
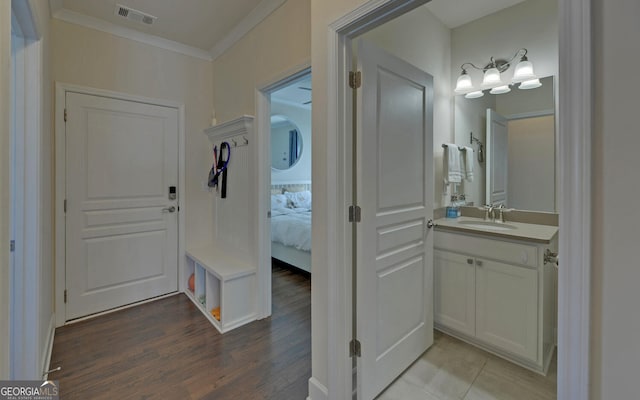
column 492, row 80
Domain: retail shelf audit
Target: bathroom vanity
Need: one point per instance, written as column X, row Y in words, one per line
column 494, row 289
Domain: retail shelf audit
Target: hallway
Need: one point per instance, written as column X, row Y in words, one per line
column 166, row 349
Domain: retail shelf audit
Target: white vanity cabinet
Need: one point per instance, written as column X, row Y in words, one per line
column 507, row 307
column 496, row 294
column 455, row 291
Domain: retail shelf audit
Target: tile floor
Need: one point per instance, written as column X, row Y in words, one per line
column 454, row 370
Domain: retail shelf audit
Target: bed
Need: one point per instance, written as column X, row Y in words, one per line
column 291, row 226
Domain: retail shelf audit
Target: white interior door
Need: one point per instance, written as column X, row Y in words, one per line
column 497, row 158
column 394, row 247
column 122, row 241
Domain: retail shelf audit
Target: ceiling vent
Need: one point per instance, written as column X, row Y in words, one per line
column 134, row 15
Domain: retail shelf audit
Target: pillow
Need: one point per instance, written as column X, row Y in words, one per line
column 299, row 199
column 278, row 201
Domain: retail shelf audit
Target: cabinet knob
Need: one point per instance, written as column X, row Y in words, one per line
column 469, row 260
column 479, row 263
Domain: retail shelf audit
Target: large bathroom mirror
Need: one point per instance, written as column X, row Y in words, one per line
column 516, row 132
column 286, row 143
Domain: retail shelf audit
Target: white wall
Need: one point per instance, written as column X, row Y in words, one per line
column 46, row 265
column 301, row 117
column 44, row 275
column 100, row 60
column 5, row 203
column 531, row 177
column 616, row 272
column 527, row 101
column 531, row 24
column 471, row 116
column 422, row 40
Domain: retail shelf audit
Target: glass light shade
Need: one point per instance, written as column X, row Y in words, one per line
column 474, row 95
column 531, row 84
column 491, row 78
column 463, row 84
column 523, row 72
column 500, row 89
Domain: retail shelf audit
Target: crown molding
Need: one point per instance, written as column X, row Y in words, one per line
column 127, row 33
column 257, row 15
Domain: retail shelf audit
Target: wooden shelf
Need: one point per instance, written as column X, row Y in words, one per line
column 227, row 281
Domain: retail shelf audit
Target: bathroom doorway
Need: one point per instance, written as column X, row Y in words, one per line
column 348, row 29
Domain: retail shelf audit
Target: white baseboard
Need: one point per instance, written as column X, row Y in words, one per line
column 317, row 391
column 48, row 350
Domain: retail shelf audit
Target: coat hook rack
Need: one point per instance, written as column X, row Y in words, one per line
column 237, row 143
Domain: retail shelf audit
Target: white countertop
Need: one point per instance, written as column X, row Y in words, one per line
column 519, row 231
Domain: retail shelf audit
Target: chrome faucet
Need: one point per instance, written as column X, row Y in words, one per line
column 488, row 212
column 501, row 210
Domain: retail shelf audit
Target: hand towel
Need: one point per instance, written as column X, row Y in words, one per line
column 468, row 163
column 452, row 164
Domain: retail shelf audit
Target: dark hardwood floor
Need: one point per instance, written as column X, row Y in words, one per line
column 166, row 349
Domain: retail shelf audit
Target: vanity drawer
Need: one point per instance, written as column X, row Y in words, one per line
column 499, row 250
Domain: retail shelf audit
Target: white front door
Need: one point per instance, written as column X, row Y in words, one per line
column 394, row 247
column 121, row 235
column 497, row 158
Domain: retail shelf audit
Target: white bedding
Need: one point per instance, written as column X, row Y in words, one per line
column 292, row 227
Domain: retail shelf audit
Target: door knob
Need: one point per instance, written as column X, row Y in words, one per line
column 169, row 209
column 430, row 224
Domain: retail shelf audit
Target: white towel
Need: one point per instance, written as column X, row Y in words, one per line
column 452, row 164
column 468, row 163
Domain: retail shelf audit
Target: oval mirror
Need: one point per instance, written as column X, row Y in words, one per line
column 286, row 143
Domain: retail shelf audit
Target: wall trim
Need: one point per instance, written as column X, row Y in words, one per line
column 575, row 178
column 257, row 15
column 131, row 34
column 25, row 293
column 317, row 391
column 61, row 90
column 575, row 123
column 48, row 350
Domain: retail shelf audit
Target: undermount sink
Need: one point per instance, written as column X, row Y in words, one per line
column 496, row 226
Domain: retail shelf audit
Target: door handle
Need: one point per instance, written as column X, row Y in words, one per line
column 169, row 209
column 430, row 224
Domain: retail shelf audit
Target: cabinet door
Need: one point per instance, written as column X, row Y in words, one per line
column 507, row 307
column 454, row 289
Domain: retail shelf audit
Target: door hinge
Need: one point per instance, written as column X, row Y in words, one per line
column 355, row 214
column 355, row 79
column 65, row 296
column 65, row 115
column 65, row 206
column 354, row 348
column 12, row 246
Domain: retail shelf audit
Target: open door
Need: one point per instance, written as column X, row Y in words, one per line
column 394, row 245
column 497, row 158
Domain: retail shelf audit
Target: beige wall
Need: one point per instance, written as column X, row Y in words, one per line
column 100, row 60
column 616, row 266
column 278, row 45
column 421, row 39
column 5, row 205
